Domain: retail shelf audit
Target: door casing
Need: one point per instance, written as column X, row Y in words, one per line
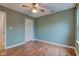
column 4, row 33
column 28, row 29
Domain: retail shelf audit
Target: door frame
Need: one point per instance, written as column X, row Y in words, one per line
column 4, row 40
column 25, row 29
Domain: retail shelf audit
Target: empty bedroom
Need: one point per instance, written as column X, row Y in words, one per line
column 39, row 29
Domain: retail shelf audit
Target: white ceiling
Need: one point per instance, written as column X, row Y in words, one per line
column 47, row 6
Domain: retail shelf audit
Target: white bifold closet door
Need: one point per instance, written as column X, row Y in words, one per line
column 28, row 29
column 2, row 29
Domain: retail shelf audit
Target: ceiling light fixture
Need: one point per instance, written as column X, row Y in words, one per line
column 35, row 7
column 34, row 10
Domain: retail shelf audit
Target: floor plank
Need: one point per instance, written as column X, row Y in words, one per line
column 38, row 48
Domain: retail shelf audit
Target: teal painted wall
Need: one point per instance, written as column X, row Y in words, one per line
column 15, row 20
column 34, row 31
column 58, row 27
column 17, row 34
column 77, row 30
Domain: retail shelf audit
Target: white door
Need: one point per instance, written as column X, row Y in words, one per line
column 28, row 29
column 2, row 30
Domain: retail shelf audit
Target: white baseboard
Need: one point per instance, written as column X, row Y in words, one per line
column 15, row 45
column 56, row 43
column 38, row 40
column 77, row 41
column 76, row 51
column 59, row 45
column 18, row 44
column 45, row 42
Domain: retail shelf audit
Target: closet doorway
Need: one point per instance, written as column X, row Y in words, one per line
column 28, row 29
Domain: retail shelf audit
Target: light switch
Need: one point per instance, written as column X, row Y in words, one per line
column 10, row 28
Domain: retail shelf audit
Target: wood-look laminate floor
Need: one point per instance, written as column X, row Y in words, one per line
column 38, row 48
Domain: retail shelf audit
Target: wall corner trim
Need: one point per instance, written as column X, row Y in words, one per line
column 19, row 44
column 76, row 51
column 59, row 45
column 56, row 44
column 15, row 45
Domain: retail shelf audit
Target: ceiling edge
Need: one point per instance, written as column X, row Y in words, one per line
column 55, row 12
column 15, row 11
